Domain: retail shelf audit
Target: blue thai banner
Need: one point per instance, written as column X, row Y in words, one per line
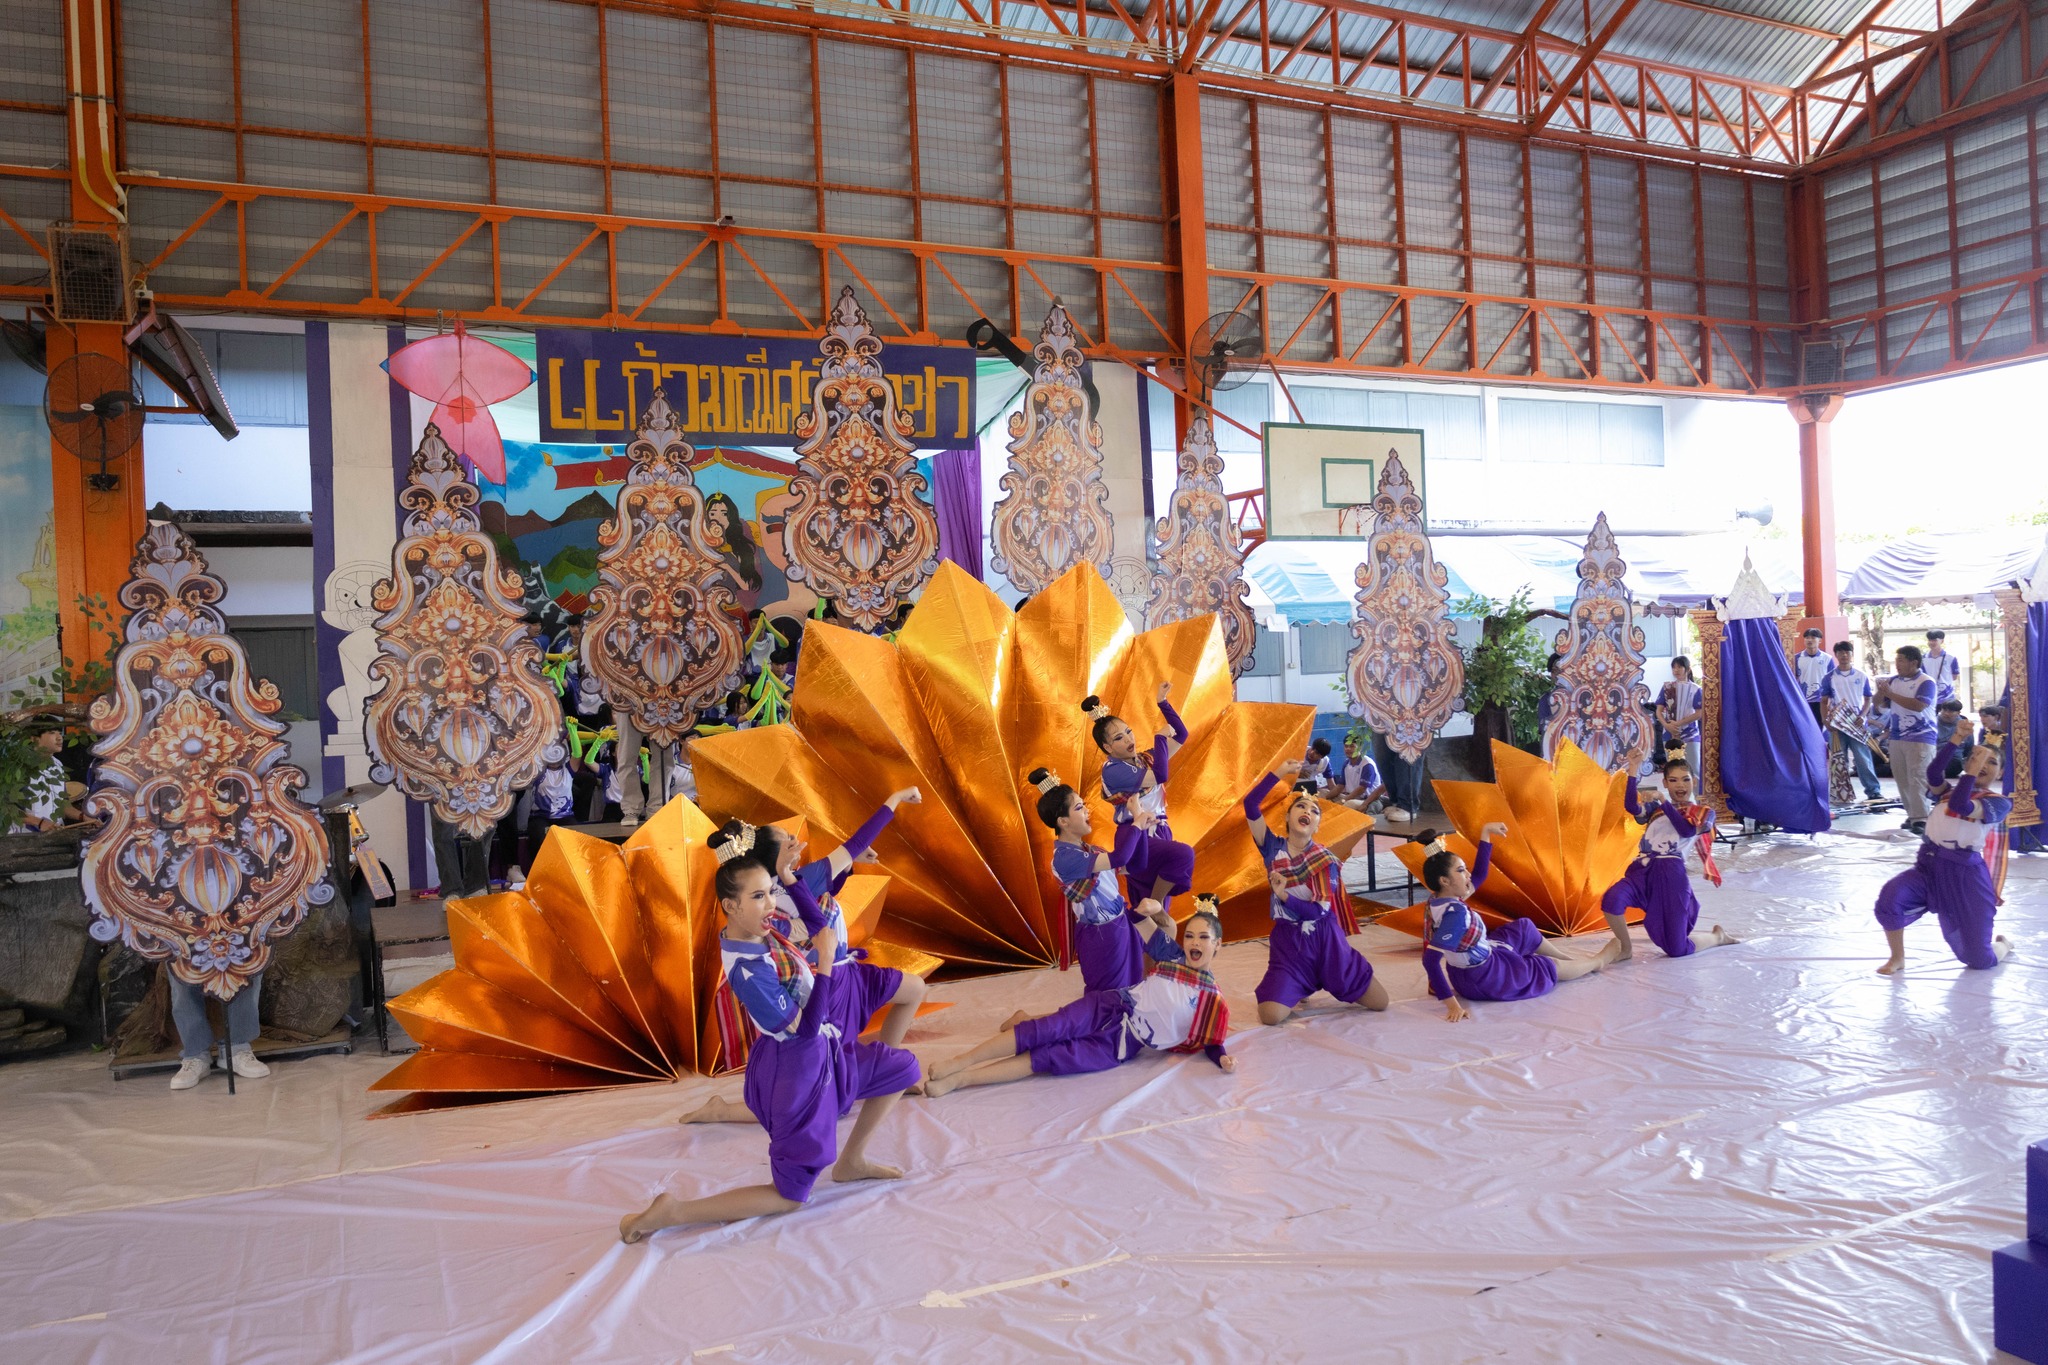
column 730, row 390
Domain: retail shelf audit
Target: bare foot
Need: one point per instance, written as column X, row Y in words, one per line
column 1021, row 1016
column 635, row 1227
column 1895, row 963
column 718, row 1109
column 1614, row 952
column 939, row 1085
column 1722, row 938
column 847, row 1169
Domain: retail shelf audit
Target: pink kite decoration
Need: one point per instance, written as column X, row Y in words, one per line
column 462, row 376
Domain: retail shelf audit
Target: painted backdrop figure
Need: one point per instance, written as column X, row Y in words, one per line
column 1309, row 950
column 799, row 1077
column 1159, row 867
column 1950, row 876
column 1658, row 881
column 1462, row 957
column 1112, row 939
column 1175, row 1007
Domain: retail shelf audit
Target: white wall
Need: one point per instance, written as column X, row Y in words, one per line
column 265, row 580
column 190, row 468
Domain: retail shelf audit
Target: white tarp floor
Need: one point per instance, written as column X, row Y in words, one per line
column 1763, row 1153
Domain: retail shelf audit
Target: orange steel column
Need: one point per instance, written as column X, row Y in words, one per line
column 96, row 530
column 1188, row 211
column 1813, row 413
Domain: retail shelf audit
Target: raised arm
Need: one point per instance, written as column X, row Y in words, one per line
column 1631, row 801
column 1255, row 802
column 1172, row 719
column 1938, row 769
column 843, row 858
column 1484, row 862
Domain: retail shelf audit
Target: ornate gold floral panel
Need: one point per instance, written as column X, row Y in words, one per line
column 1054, row 512
column 207, row 855
column 1201, row 563
column 858, row 535
column 666, row 631
column 969, row 699
column 462, row 718
column 1406, row 672
column 1598, row 702
column 1569, row 838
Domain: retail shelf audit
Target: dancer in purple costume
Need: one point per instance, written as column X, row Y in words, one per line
column 799, row 1077
column 1112, row 939
column 1135, row 784
column 861, row 987
column 1174, row 1008
column 1308, row 950
column 1464, row 958
column 1950, row 877
column 1657, row 880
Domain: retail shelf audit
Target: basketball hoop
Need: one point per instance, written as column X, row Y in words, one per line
column 1355, row 520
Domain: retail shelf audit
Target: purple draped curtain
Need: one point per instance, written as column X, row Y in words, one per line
column 956, row 497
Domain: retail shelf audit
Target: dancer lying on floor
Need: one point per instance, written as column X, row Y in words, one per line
column 1111, row 938
column 1464, row 958
column 801, row 1076
column 1175, row 1008
column 1950, row 875
column 862, row 987
column 1135, row 784
column 1308, row 950
column 1658, row 881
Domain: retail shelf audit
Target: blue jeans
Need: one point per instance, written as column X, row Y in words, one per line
column 1865, row 764
column 1404, row 781
column 195, row 1034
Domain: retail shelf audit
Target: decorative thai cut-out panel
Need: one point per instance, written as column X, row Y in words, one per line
column 1599, row 699
column 207, row 856
column 1054, row 512
column 1200, row 561
column 463, row 718
column 667, row 633
column 859, row 535
column 1406, row 672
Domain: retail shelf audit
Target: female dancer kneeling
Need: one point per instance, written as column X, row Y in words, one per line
column 861, row 988
column 1658, row 881
column 1160, row 868
column 800, row 1077
column 1950, row 876
column 1175, row 1008
column 1463, row 957
column 1308, row 950
column 1111, row 938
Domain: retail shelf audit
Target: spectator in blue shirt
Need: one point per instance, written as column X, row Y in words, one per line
column 1908, row 701
column 1945, row 668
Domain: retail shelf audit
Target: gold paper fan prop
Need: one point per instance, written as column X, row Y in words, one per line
column 969, row 699
column 1569, row 838
column 601, row 973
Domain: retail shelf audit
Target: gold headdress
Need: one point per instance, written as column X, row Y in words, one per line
column 739, row 846
column 1049, row 783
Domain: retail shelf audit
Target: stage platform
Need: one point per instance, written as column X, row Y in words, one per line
column 1765, row 1152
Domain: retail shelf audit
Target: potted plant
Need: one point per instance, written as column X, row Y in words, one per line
column 1505, row 677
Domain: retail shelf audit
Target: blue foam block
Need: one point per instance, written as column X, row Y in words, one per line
column 2019, row 1301
column 2037, row 1193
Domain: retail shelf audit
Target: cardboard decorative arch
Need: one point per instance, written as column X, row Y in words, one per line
column 463, row 718
column 1599, row 699
column 1054, row 512
column 1201, row 562
column 207, row 855
column 667, row 633
column 859, row 534
column 970, row 698
column 1406, row 672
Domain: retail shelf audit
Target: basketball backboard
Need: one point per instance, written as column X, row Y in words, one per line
column 1320, row 480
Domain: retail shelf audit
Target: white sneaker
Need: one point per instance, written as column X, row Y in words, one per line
column 628, row 821
column 246, row 1065
column 191, row 1072
column 1399, row 816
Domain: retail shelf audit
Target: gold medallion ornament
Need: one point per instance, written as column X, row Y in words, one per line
column 207, row 855
column 1599, row 699
column 1054, row 512
column 1200, row 562
column 1406, row 673
column 970, row 698
column 666, row 632
column 858, row 535
column 463, row 718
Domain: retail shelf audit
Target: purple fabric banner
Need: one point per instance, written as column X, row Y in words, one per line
column 1774, row 765
column 956, row 497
